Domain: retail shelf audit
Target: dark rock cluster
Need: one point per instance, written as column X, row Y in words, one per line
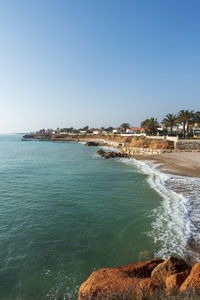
column 111, row 154
column 94, row 144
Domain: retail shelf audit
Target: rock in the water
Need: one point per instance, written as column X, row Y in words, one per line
column 95, row 144
column 111, row 154
column 134, row 278
column 170, row 266
column 193, row 280
column 100, row 152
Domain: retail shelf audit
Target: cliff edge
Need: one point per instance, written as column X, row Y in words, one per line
column 142, row 279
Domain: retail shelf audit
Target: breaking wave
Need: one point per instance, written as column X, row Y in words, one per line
column 176, row 226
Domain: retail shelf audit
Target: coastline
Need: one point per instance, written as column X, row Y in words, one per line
column 185, row 164
column 176, row 226
column 169, row 159
column 176, row 177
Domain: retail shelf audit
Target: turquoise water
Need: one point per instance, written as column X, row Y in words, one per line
column 64, row 212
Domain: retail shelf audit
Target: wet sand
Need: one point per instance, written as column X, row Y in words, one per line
column 178, row 163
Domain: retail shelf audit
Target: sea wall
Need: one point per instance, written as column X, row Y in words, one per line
column 144, row 145
column 187, row 145
column 147, row 151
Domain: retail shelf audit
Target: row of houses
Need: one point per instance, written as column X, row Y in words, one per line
column 193, row 130
column 130, row 130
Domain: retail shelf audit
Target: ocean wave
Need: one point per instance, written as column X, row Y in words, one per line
column 177, row 223
column 110, row 148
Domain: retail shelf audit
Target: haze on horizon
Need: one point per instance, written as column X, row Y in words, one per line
column 97, row 63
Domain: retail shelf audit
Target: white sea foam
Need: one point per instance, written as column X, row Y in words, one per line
column 177, row 220
column 82, row 143
column 110, row 148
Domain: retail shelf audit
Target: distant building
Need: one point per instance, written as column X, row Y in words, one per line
column 116, row 130
column 134, row 130
column 175, row 128
column 96, row 131
column 83, row 131
column 193, row 129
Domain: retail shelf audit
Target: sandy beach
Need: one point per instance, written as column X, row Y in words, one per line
column 178, row 163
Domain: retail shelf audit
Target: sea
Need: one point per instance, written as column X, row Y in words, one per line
column 66, row 212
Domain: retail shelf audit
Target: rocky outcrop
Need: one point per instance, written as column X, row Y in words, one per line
column 40, row 137
column 174, row 282
column 94, row 144
column 120, row 280
column 142, row 279
column 149, row 142
column 193, row 280
column 111, row 154
column 170, row 266
column 147, row 145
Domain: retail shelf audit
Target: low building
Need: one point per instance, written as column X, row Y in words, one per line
column 196, row 130
column 116, row 130
column 83, row 131
column 97, row 131
column 134, row 130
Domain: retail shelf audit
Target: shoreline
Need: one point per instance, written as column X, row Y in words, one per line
column 168, row 158
column 185, row 164
column 179, row 190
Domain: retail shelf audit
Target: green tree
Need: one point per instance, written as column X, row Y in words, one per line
column 150, row 126
column 124, row 127
column 196, row 118
column 170, row 120
column 186, row 117
column 110, row 129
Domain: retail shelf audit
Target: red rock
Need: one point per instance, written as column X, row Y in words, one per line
column 133, row 277
column 173, row 282
column 141, row 269
column 193, row 280
column 170, row 266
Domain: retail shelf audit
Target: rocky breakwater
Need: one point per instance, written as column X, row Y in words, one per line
column 111, row 154
column 93, row 144
column 142, row 279
column 40, row 137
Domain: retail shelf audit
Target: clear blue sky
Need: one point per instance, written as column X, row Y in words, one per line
column 96, row 62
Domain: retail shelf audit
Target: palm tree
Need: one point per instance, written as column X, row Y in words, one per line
column 169, row 121
column 197, row 117
column 145, row 125
column 185, row 117
column 150, row 125
column 125, row 126
column 196, row 123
